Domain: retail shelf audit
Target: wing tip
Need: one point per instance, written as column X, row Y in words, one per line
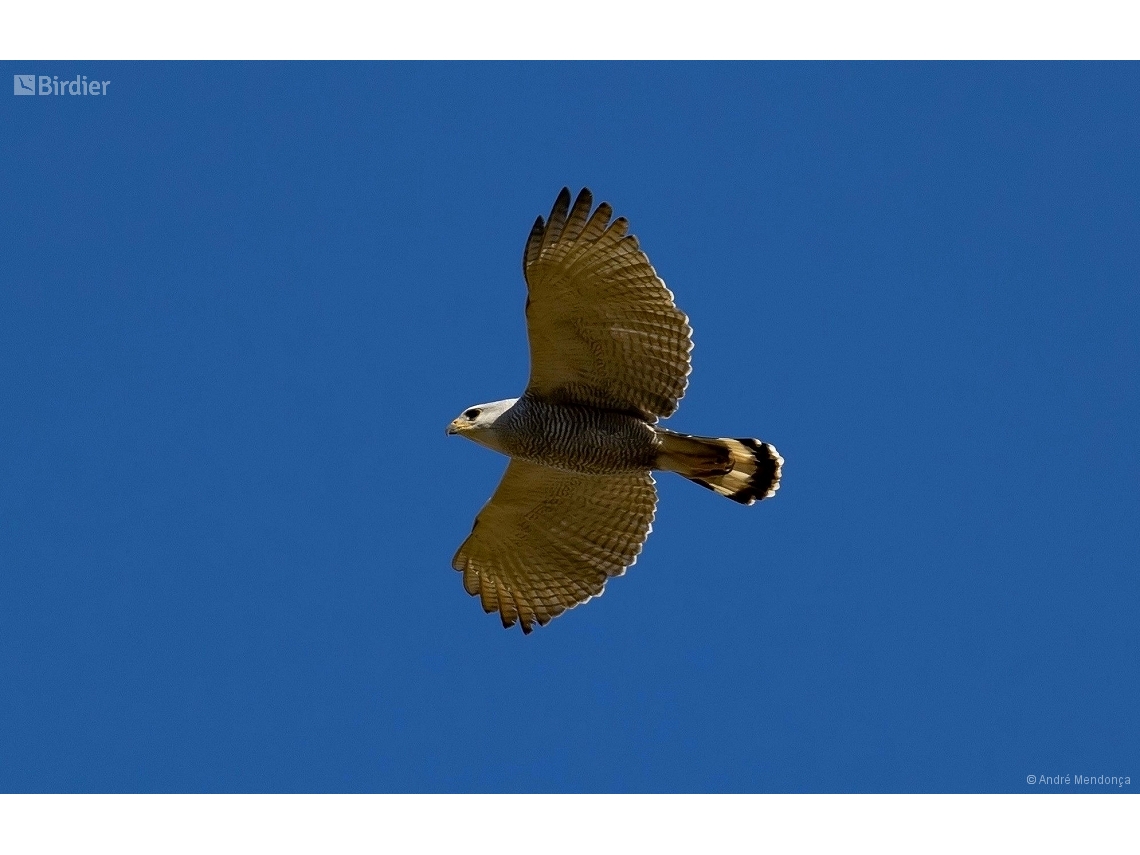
column 561, row 204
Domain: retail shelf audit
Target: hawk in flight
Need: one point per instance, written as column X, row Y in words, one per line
column 609, row 355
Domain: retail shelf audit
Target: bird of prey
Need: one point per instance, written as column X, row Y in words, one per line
column 609, row 356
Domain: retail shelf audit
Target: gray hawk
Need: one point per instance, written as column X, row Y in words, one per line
column 609, row 355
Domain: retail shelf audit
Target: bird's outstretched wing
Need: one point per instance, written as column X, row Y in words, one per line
column 603, row 329
column 548, row 540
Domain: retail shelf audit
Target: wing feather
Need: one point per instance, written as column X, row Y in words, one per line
column 557, row 220
column 549, row 539
column 577, row 219
column 598, row 222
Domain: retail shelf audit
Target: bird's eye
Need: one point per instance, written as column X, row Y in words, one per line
column 471, row 414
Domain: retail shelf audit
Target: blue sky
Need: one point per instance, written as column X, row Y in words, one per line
column 239, row 304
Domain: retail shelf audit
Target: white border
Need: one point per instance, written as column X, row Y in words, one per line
column 566, row 824
column 585, row 29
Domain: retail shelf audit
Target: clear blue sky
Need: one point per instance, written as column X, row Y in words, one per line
column 239, row 304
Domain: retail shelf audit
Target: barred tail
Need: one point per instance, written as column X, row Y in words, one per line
column 744, row 470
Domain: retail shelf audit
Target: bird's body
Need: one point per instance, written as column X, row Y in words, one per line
column 609, row 356
column 575, row 438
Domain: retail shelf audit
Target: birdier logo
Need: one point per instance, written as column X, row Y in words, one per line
column 29, row 84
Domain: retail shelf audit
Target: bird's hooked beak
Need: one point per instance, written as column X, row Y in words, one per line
column 455, row 427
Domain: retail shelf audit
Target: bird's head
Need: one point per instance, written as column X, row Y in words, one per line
column 478, row 423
